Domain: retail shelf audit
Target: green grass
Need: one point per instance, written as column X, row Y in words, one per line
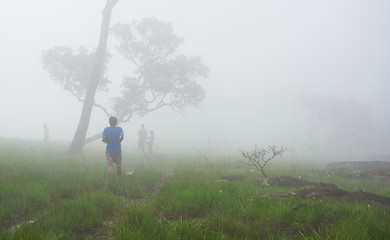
column 29, row 185
column 137, row 185
column 70, row 218
column 46, row 194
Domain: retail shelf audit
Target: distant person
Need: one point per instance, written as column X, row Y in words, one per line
column 113, row 136
column 141, row 138
column 45, row 133
column 150, row 140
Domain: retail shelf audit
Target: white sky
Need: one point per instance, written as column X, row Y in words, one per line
column 262, row 54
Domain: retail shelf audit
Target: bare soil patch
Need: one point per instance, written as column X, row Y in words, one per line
column 378, row 171
column 383, row 173
column 339, row 194
column 324, row 190
column 287, row 181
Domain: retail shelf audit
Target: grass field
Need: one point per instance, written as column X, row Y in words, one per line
column 47, row 194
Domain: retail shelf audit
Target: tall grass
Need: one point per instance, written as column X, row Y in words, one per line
column 68, row 219
column 28, row 184
column 238, row 210
column 46, row 194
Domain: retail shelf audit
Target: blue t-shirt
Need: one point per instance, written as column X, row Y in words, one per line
column 113, row 135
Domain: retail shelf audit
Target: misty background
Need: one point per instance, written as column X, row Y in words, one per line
column 273, row 64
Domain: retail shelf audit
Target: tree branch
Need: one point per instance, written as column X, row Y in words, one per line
column 257, row 158
column 101, row 108
column 94, row 103
column 93, row 138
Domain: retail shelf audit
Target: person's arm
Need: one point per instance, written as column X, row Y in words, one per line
column 104, row 137
column 122, row 135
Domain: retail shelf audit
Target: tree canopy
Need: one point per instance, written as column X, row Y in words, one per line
column 71, row 69
column 161, row 76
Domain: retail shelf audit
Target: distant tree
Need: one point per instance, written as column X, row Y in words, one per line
column 161, row 77
column 346, row 122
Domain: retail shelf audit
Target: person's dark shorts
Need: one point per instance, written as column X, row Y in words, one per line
column 114, row 157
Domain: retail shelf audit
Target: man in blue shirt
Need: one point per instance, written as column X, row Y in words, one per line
column 113, row 136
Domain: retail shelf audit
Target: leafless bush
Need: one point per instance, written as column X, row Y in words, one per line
column 259, row 157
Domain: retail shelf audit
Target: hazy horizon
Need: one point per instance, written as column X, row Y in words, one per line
column 265, row 58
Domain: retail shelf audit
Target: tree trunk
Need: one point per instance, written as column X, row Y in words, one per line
column 76, row 147
column 93, row 138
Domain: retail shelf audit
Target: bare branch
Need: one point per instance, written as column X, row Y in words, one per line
column 77, row 96
column 94, row 103
column 131, row 57
column 102, row 108
column 259, row 157
column 129, row 116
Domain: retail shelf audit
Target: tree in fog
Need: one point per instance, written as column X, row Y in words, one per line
column 76, row 147
column 344, row 122
column 71, row 70
column 162, row 78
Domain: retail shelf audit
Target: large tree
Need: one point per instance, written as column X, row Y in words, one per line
column 161, row 76
column 76, row 147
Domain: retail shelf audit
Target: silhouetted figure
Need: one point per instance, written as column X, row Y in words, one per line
column 113, row 136
column 150, row 140
column 141, row 138
column 45, row 133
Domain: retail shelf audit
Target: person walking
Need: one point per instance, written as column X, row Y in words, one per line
column 150, row 141
column 113, row 136
column 45, row 133
column 141, row 138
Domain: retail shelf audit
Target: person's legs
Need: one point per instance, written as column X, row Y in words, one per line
column 118, row 162
column 110, row 163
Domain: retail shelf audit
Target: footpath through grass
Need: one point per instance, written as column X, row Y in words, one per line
column 46, row 194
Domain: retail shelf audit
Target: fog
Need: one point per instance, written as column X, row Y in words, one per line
column 269, row 62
